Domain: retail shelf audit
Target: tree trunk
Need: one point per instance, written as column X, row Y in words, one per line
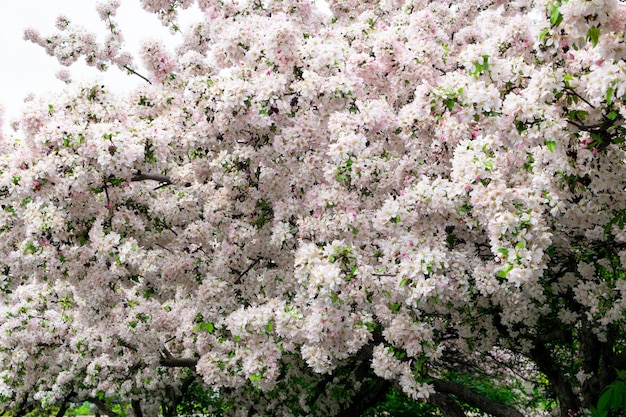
column 63, row 409
column 569, row 404
column 136, row 405
column 170, row 408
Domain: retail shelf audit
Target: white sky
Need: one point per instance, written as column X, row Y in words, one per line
column 26, row 68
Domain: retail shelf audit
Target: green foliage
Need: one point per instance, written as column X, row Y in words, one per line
column 40, row 411
column 593, row 34
column 612, row 401
column 502, row 394
column 555, row 15
column 82, row 410
column 199, row 400
column 481, row 67
column 396, row 404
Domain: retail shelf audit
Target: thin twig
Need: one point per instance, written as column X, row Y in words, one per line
column 580, row 97
column 106, row 192
column 256, row 261
column 132, row 71
column 127, row 345
column 163, row 247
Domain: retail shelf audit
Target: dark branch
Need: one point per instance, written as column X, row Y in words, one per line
column 170, row 410
column 367, row 398
column 163, row 179
column 127, row 345
column 179, row 362
column 580, row 97
column 447, row 405
column 101, row 406
column 241, row 275
column 65, row 405
column 475, row 400
column 557, row 335
column 132, row 71
column 140, row 176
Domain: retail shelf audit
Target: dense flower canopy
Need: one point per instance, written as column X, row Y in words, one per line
column 297, row 207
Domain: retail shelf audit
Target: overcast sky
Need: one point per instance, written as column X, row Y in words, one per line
column 26, row 68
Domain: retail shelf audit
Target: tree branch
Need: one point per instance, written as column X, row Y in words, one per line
column 179, row 362
column 101, row 406
column 570, row 89
column 127, row 345
column 447, row 405
column 475, row 400
column 367, row 398
column 163, row 179
column 241, row 275
column 140, row 176
column 170, row 410
column 132, row 71
column 65, row 405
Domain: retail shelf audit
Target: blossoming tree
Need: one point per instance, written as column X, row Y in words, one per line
column 301, row 210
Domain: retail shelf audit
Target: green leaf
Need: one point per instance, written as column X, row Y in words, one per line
column 604, row 400
column 551, row 145
column 504, row 251
column 207, row 327
column 616, row 398
column 504, row 271
column 577, row 115
column 612, row 115
column 609, row 95
column 593, row 34
column 555, row 15
column 598, row 413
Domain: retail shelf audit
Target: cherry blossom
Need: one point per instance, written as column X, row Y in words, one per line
column 299, row 210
